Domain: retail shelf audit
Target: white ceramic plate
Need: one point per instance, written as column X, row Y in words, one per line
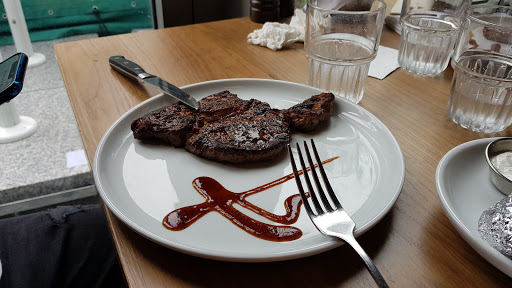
column 465, row 190
column 141, row 183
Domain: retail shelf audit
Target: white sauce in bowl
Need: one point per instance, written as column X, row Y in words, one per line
column 503, row 163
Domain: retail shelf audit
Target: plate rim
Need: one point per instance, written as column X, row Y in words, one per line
column 276, row 256
column 491, row 255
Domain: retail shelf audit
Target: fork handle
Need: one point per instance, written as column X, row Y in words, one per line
column 367, row 261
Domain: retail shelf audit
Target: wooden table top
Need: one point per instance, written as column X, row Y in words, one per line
column 415, row 245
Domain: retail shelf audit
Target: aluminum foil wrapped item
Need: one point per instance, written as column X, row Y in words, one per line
column 495, row 226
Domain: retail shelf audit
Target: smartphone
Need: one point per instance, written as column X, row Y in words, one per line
column 12, row 74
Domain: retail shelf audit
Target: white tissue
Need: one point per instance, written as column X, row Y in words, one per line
column 275, row 35
column 299, row 20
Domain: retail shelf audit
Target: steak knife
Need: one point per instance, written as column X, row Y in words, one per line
column 131, row 69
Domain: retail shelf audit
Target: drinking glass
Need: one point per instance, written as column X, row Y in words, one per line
column 481, row 94
column 429, row 32
column 340, row 46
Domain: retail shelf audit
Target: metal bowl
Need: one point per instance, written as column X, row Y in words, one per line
column 492, row 150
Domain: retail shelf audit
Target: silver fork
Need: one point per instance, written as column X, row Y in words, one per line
column 330, row 221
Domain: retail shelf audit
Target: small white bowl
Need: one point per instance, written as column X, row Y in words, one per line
column 495, row 148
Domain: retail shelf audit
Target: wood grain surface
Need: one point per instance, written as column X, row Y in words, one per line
column 415, row 245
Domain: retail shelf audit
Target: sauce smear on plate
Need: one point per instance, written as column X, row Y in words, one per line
column 221, row 200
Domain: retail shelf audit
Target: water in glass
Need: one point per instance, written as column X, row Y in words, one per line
column 481, row 94
column 427, row 44
column 339, row 63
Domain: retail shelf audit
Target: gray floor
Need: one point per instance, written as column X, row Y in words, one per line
column 52, row 160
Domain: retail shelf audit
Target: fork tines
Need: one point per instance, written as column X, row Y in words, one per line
column 320, row 189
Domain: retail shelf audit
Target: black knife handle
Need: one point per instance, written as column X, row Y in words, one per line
column 127, row 67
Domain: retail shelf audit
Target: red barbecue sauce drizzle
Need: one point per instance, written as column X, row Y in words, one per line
column 472, row 41
column 221, row 200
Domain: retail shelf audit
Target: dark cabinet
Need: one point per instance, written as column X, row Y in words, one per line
column 184, row 12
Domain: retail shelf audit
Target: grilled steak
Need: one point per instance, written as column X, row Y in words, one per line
column 229, row 129
column 242, row 139
column 170, row 124
column 221, row 105
column 307, row 115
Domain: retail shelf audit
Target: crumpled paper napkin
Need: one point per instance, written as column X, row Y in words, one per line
column 275, row 35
